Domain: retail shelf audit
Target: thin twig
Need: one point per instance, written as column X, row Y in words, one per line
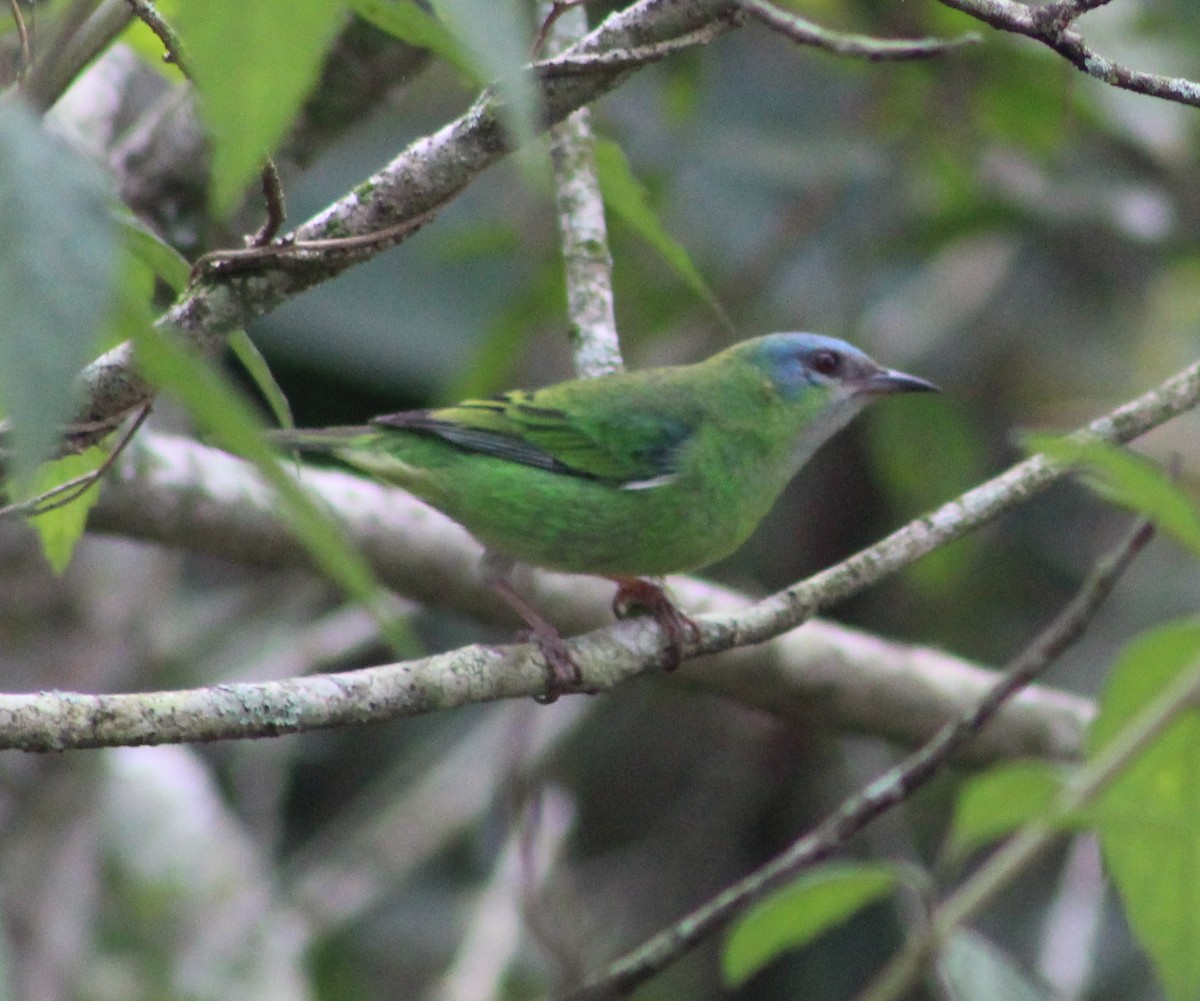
column 848, row 44
column 23, row 35
column 272, row 189
column 1029, row 842
column 557, row 9
column 299, row 254
column 148, row 14
column 1049, row 25
column 54, row 498
column 584, row 63
column 882, row 794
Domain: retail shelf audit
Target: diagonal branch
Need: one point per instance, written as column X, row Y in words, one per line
column 881, row 795
column 606, row 657
column 843, row 43
column 424, row 177
column 1050, row 25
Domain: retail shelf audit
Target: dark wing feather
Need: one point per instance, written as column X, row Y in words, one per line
column 578, row 431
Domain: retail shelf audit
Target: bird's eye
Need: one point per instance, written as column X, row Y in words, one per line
column 826, row 362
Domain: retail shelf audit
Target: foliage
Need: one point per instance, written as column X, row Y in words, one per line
column 1030, row 245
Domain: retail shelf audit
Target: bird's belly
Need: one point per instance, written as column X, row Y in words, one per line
column 584, row 526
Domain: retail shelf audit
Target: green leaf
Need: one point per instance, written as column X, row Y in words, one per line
column 254, row 64
column 996, row 802
column 1148, row 819
column 973, row 969
column 60, row 528
column 160, row 257
column 404, row 20
column 1129, row 480
column 221, row 412
column 133, row 311
column 497, row 36
column 898, row 440
column 625, row 196
column 794, row 916
column 246, row 352
column 57, row 278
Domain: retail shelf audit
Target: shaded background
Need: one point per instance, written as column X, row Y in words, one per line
column 991, row 220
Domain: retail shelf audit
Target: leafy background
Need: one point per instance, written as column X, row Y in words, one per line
column 991, row 220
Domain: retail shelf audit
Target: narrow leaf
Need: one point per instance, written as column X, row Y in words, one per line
column 57, row 278
column 60, row 528
column 254, row 64
column 159, row 256
column 497, row 35
column 625, row 195
column 819, row 900
column 221, row 412
column 1129, row 480
column 1148, row 820
column 996, row 802
column 405, row 20
column 246, row 352
column 973, row 969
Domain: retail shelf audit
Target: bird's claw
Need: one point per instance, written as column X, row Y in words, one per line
column 563, row 674
column 634, row 593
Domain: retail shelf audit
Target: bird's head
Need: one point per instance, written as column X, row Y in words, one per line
column 820, row 383
column 799, row 363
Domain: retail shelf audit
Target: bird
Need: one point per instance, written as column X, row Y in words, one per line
column 630, row 475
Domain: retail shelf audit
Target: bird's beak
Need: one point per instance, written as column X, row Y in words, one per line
column 888, row 380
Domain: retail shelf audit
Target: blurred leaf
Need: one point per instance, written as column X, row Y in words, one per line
column 57, row 278
column 682, row 91
column 221, row 412
column 1021, row 98
column 405, row 20
column 254, row 65
column 794, row 916
column 996, row 802
column 497, row 37
column 973, row 969
column 133, row 311
column 160, row 257
column 60, row 528
column 1155, row 862
column 246, row 352
column 1129, row 480
column 625, row 195
column 490, row 370
column 898, row 439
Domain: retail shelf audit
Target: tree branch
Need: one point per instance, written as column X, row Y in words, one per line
column 606, row 657
column 879, row 796
column 586, row 258
column 424, row 177
column 843, row 43
column 1050, row 25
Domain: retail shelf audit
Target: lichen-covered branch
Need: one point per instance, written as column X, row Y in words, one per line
column 586, row 258
column 417, row 182
column 1050, row 24
column 606, row 656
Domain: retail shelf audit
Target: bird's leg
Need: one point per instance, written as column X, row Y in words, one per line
column 637, row 592
column 564, row 673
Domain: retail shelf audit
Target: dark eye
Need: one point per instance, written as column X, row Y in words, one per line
column 826, row 362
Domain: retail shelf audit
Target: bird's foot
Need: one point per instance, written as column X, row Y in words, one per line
column 635, row 593
column 563, row 674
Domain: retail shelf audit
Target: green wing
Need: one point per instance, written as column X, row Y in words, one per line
column 589, row 429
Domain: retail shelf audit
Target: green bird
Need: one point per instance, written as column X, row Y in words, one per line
column 626, row 476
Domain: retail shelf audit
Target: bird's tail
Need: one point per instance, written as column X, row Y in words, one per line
column 330, row 439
